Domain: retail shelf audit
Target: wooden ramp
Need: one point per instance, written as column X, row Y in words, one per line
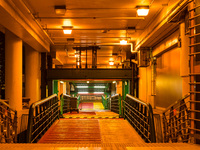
column 91, row 131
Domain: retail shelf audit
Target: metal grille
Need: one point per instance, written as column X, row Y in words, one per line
column 194, row 26
column 8, row 123
column 42, row 115
column 176, row 122
column 140, row 116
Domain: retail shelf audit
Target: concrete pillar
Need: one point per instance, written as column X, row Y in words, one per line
column 32, row 74
column 184, row 60
column 13, row 70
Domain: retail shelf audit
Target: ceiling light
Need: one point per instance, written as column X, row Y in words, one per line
column 81, row 87
column 88, row 81
column 67, row 29
column 111, row 62
column 98, row 92
column 60, row 10
column 99, row 87
column 142, row 10
column 83, row 92
column 123, row 42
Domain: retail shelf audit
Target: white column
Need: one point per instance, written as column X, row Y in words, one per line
column 32, row 74
column 13, row 70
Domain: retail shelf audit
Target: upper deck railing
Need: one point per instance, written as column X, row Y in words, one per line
column 42, row 114
column 176, row 121
column 140, row 116
column 8, row 123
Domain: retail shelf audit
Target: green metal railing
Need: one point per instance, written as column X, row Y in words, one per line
column 115, row 105
column 78, row 101
column 65, row 103
column 42, row 114
column 8, row 123
column 140, row 116
column 106, row 102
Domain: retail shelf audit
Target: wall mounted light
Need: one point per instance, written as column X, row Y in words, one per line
column 142, row 10
column 123, row 42
column 67, row 29
column 60, row 9
column 111, row 63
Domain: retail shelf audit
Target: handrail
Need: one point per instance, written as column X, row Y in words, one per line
column 178, row 101
column 42, row 114
column 176, row 121
column 140, row 116
column 137, row 100
column 3, row 102
column 8, row 121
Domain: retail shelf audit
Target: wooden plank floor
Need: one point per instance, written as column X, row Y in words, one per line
column 91, row 131
column 73, row 131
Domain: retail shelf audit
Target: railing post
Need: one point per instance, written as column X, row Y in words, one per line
column 61, row 104
column 120, row 111
column 15, row 126
column 30, row 123
column 152, row 126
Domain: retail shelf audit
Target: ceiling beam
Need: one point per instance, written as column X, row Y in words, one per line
column 114, row 18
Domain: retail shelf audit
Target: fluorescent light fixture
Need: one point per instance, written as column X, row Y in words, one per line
column 111, row 62
column 67, row 29
column 81, row 87
column 60, row 9
column 99, row 87
column 83, row 92
column 61, row 82
column 98, row 92
column 123, row 42
column 142, row 10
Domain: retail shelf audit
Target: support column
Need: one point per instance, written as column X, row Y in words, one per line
column 184, row 60
column 13, row 70
column 32, row 74
column 43, row 75
column 50, row 87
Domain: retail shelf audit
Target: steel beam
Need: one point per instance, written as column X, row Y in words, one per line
column 53, row 74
